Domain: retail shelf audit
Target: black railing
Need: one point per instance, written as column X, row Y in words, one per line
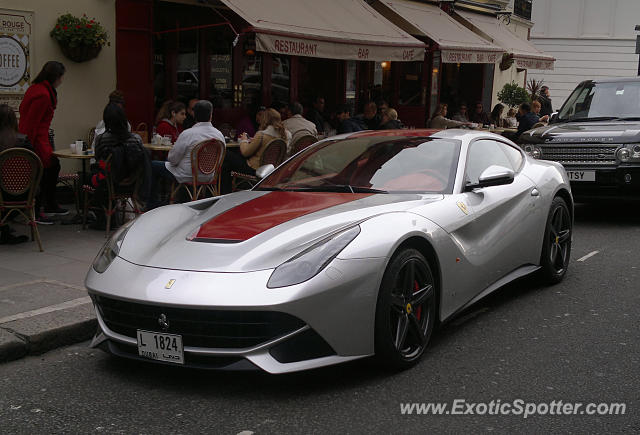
column 522, row 9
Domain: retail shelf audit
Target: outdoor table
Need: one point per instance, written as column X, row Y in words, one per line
column 157, row 147
column 67, row 153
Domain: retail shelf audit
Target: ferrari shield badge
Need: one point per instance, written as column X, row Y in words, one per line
column 463, row 207
column 170, row 284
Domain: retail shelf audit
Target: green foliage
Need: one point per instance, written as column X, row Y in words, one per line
column 513, row 95
column 76, row 31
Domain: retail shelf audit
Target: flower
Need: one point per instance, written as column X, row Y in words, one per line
column 73, row 31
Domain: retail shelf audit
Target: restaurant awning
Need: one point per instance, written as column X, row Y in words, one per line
column 525, row 54
column 457, row 43
column 332, row 29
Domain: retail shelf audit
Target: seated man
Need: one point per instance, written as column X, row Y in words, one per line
column 347, row 124
column 297, row 125
column 479, row 116
column 178, row 165
column 526, row 118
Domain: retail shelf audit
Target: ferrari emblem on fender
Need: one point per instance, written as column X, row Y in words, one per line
column 463, row 207
column 170, row 284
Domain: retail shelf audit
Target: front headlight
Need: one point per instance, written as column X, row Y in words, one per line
column 629, row 153
column 310, row 262
column 110, row 250
column 533, row 151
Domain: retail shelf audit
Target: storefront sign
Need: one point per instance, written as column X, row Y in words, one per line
column 470, row 56
column 531, row 63
column 336, row 50
column 15, row 67
column 221, row 71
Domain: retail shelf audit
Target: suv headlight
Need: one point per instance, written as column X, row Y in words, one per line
column 533, row 151
column 629, row 153
column 110, row 250
column 311, row 261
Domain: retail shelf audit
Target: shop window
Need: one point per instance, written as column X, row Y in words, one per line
column 350, row 83
column 410, row 83
column 280, row 79
column 252, row 80
column 219, row 50
column 382, row 83
column 188, row 81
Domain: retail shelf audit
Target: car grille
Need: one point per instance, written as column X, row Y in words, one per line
column 222, row 329
column 599, row 155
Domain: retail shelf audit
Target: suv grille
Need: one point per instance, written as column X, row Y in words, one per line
column 221, row 329
column 599, row 155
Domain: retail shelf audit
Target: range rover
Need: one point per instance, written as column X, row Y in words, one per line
column 596, row 137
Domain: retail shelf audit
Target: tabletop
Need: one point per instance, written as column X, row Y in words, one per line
column 167, row 148
column 66, row 153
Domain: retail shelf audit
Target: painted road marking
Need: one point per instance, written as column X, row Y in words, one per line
column 589, row 255
column 50, row 309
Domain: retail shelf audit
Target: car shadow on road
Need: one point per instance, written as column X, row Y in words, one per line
column 611, row 213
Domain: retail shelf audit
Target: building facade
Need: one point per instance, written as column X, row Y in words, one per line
column 589, row 38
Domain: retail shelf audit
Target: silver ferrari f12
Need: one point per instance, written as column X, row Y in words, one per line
column 359, row 245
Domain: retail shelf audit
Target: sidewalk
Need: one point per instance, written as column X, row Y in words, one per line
column 43, row 302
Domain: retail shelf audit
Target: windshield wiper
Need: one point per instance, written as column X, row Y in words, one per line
column 596, row 118
column 337, row 188
column 274, row 189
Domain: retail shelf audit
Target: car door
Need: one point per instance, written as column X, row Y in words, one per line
column 496, row 239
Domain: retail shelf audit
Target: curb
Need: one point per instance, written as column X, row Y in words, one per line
column 39, row 334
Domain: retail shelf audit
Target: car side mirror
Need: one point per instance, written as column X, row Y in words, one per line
column 265, row 170
column 492, row 176
column 553, row 118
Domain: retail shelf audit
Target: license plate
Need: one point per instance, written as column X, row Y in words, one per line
column 161, row 347
column 582, row 175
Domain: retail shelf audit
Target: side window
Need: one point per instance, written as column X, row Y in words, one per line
column 485, row 153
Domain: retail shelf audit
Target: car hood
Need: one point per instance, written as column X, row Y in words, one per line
column 585, row 132
column 250, row 230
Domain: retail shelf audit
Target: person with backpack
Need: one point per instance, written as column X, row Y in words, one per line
column 120, row 153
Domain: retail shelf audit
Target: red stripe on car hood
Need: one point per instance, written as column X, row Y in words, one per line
column 253, row 217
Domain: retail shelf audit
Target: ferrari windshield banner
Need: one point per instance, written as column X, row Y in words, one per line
column 15, row 65
column 348, row 50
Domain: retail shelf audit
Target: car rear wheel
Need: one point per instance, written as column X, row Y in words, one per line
column 406, row 309
column 556, row 247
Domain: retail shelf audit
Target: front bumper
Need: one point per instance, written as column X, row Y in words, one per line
column 612, row 183
column 326, row 320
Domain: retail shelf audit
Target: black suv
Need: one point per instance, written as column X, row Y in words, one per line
column 596, row 137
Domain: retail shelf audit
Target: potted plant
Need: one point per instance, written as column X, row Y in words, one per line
column 80, row 38
column 513, row 95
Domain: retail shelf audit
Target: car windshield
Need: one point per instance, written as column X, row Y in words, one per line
column 377, row 164
column 602, row 101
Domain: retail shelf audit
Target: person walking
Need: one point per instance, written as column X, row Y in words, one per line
column 36, row 113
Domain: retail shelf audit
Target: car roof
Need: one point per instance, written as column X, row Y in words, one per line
column 453, row 133
column 614, row 80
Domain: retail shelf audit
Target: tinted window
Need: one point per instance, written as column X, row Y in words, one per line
column 485, row 153
column 602, row 100
column 392, row 164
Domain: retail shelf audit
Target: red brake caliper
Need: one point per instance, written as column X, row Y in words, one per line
column 418, row 309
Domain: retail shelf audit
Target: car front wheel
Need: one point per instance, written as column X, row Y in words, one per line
column 406, row 309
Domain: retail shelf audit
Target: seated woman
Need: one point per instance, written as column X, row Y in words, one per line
column 129, row 162
column 496, row 116
column 251, row 151
column 11, row 138
column 170, row 118
column 390, row 120
column 440, row 120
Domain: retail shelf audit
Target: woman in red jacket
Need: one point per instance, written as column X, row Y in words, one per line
column 36, row 113
column 170, row 119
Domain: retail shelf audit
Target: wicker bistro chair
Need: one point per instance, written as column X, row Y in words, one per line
column 274, row 154
column 116, row 200
column 302, row 142
column 143, row 131
column 206, row 158
column 20, row 173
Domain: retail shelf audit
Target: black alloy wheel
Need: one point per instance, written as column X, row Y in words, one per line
column 556, row 247
column 406, row 309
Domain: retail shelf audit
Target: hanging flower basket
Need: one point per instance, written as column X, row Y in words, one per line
column 506, row 62
column 80, row 53
column 80, row 38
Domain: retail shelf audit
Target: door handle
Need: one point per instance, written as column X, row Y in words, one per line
column 535, row 192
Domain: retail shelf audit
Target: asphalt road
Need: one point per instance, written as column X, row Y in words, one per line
column 575, row 342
